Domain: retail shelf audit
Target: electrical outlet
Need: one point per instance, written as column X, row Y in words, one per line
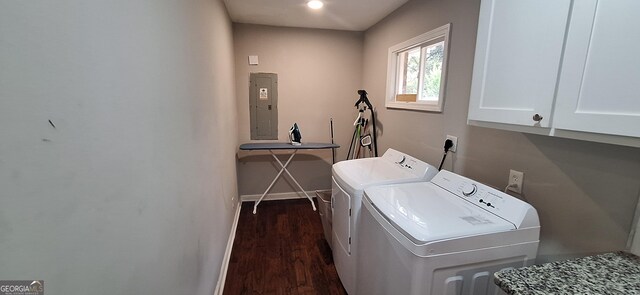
column 455, row 143
column 515, row 181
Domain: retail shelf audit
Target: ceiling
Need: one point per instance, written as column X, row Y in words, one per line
column 351, row 15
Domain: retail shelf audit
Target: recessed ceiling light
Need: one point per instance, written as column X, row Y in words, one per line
column 315, row 4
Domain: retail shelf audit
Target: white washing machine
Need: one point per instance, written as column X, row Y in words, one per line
column 447, row 236
column 349, row 179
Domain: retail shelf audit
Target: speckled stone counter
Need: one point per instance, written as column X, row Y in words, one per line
column 610, row 273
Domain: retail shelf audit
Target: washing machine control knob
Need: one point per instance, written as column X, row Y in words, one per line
column 469, row 189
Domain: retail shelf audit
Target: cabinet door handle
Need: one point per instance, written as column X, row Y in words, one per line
column 537, row 117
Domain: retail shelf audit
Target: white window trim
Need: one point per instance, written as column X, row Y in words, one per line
column 392, row 70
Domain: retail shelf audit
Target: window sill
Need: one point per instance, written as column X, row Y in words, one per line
column 416, row 106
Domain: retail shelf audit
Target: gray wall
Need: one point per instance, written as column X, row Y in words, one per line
column 319, row 73
column 585, row 193
column 131, row 192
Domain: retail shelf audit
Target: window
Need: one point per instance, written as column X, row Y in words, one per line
column 417, row 70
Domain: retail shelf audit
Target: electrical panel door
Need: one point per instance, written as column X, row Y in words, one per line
column 263, row 103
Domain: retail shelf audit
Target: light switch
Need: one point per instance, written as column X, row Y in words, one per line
column 253, row 60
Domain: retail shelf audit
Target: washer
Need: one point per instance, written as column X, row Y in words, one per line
column 447, row 236
column 349, row 179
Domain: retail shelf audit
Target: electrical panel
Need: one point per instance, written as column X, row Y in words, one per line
column 263, row 104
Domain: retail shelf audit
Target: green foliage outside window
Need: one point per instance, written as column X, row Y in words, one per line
column 432, row 72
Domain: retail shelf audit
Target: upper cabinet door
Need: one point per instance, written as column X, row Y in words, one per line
column 517, row 60
column 599, row 88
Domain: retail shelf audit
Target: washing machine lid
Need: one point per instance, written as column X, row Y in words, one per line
column 425, row 212
column 392, row 167
column 361, row 173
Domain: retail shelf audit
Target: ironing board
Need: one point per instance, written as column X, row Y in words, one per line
column 271, row 146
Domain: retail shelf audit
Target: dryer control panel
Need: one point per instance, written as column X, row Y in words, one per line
column 503, row 205
column 410, row 164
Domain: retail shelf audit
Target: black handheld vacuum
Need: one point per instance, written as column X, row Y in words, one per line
column 359, row 139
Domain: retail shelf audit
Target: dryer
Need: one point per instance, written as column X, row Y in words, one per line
column 349, row 179
column 447, row 236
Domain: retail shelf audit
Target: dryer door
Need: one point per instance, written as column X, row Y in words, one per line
column 341, row 207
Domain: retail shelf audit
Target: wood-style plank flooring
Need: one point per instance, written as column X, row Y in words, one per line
column 281, row 250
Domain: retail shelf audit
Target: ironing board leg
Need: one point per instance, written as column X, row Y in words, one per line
column 294, row 180
column 255, row 206
column 283, row 169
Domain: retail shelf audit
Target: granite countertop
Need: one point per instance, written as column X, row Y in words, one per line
column 610, row 273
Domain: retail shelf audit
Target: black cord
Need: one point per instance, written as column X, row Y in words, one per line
column 447, row 145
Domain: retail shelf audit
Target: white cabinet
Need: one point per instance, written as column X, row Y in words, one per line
column 575, row 64
column 599, row 88
column 517, row 60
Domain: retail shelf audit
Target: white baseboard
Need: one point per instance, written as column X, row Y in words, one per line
column 227, row 253
column 278, row 196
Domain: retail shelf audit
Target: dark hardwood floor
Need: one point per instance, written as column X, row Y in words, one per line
column 281, row 250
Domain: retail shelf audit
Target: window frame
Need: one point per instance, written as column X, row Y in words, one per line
column 442, row 32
